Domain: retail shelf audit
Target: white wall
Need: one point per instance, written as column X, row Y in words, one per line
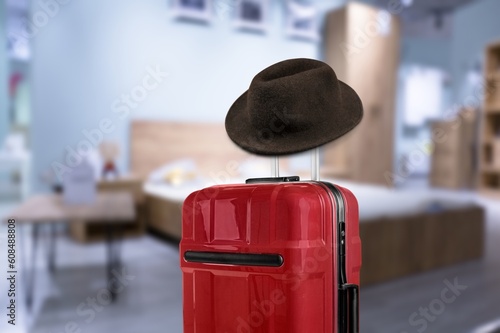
column 94, row 51
column 432, row 52
column 475, row 26
column 4, row 114
column 428, row 52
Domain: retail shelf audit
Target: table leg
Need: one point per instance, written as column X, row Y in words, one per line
column 51, row 254
column 114, row 252
column 31, row 271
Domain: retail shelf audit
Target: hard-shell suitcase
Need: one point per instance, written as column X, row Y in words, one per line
column 274, row 255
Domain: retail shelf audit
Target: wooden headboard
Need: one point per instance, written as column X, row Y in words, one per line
column 155, row 143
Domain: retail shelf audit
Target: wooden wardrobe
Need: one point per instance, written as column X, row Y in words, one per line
column 362, row 43
column 454, row 157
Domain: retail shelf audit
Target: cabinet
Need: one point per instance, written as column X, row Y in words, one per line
column 362, row 46
column 88, row 232
column 454, row 156
column 489, row 173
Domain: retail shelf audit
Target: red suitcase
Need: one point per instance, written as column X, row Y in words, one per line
column 274, row 255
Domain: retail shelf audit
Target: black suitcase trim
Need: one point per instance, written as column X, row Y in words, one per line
column 348, row 306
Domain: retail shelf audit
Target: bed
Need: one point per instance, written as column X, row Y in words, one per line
column 403, row 232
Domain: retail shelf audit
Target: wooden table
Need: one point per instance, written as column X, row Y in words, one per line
column 113, row 208
column 90, row 232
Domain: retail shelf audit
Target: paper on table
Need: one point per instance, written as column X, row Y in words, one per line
column 79, row 185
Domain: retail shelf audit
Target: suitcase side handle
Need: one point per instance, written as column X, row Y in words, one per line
column 352, row 307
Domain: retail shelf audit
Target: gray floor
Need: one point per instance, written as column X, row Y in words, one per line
column 152, row 300
column 150, row 303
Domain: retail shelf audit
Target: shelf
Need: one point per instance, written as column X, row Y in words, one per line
column 493, row 58
column 492, row 46
column 492, row 100
column 493, row 76
column 491, row 169
column 492, row 126
column 489, row 172
column 487, row 142
column 492, row 109
column 490, row 180
column 490, row 193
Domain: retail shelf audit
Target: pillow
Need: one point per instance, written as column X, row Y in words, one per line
column 175, row 173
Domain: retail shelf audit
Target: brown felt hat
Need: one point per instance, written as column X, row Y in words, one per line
column 293, row 106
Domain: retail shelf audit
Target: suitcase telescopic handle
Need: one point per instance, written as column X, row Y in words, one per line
column 275, row 165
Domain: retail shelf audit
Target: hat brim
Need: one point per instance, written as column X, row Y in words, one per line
column 268, row 142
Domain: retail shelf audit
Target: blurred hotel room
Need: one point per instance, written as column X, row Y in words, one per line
column 118, row 106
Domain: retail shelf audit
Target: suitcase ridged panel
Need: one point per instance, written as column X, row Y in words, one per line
column 353, row 255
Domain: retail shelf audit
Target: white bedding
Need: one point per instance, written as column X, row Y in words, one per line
column 374, row 201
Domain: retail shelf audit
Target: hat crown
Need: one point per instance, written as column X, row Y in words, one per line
column 279, row 94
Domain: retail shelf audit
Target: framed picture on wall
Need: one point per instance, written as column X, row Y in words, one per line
column 197, row 10
column 302, row 21
column 252, row 15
